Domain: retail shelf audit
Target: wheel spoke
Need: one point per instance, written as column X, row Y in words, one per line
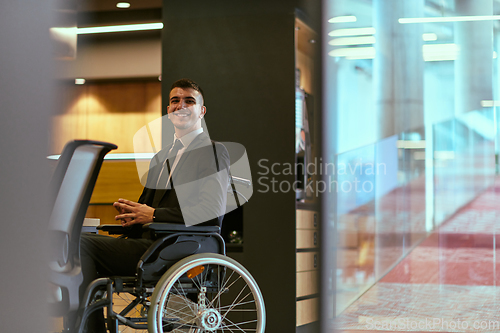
column 242, row 303
column 180, row 306
column 232, row 305
column 223, row 288
column 234, row 325
column 182, row 292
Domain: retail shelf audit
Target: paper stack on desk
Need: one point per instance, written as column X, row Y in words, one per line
column 91, row 222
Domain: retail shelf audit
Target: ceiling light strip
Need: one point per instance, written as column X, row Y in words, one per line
column 448, row 19
column 354, row 52
column 117, row 156
column 120, row 28
column 352, row 32
column 489, row 104
column 343, row 19
column 352, row 41
column 434, row 52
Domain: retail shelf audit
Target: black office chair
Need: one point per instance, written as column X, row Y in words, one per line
column 184, row 283
column 72, row 186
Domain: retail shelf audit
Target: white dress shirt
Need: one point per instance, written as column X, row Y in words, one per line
column 186, row 141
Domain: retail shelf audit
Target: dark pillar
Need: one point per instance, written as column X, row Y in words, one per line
column 242, row 55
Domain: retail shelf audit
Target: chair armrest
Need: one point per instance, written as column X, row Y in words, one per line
column 173, row 227
column 114, row 229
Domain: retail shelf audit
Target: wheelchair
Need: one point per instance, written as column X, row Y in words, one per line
column 183, row 283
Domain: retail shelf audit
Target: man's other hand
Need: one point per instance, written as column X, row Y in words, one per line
column 121, row 211
column 133, row 213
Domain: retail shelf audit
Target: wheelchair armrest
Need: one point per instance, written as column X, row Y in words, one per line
column 113, row 229
column 173, row 227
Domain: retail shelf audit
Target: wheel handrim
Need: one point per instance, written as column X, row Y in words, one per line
column 217, row 315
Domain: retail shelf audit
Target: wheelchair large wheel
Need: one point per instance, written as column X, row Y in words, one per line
column 207, row 293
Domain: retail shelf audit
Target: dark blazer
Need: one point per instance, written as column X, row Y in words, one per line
column 199, row 182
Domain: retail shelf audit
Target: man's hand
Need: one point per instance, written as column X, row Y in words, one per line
column 133, row 213
column 121, row 211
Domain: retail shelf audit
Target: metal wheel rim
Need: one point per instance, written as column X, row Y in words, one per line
column 175, row 272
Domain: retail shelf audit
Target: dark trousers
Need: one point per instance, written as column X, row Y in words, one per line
column 103, row 256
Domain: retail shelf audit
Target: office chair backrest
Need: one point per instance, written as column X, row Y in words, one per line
column 73, row 184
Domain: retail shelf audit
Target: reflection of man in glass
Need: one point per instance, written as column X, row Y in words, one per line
column 187, row 183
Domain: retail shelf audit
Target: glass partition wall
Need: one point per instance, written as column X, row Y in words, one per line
column 410, row 133
column 464, row 160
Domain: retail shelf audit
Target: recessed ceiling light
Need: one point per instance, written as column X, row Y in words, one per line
column 79, row 81
column 429, row 37
column 123, row 5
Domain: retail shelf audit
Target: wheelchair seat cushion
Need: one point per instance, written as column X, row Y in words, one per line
column 180, row 250
column 183, row 246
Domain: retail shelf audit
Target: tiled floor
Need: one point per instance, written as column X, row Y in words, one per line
column 448, row 283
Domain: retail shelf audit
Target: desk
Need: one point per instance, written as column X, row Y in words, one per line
column 90, row 225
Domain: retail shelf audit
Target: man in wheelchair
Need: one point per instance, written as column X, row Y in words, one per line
column 186, row 191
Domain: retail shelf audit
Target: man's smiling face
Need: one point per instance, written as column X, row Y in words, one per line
column 185, row 110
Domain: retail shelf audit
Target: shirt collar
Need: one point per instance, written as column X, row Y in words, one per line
column 188, row 138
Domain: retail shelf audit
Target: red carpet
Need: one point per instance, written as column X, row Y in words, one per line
column 448, row 283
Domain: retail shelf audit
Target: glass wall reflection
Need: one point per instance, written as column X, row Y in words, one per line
column 464, row 160
column 411, row 117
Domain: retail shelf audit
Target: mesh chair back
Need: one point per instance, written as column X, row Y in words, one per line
column 73, row 184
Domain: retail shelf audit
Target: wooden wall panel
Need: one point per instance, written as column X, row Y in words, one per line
column 118, row 128
column 117, row 179
column 307, row 219
column 305, row 53
column 67, row 97
column 65, row 128
column 307, row 311
column 307, row 261
column 117, row 97
column 307, row 239
column 153, row 97
column 307, row 283
column 111, row 112
column 106, row 213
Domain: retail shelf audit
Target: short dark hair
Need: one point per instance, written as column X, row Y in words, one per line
column 188, row 83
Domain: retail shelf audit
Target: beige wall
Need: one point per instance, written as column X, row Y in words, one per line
column 113, row 59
